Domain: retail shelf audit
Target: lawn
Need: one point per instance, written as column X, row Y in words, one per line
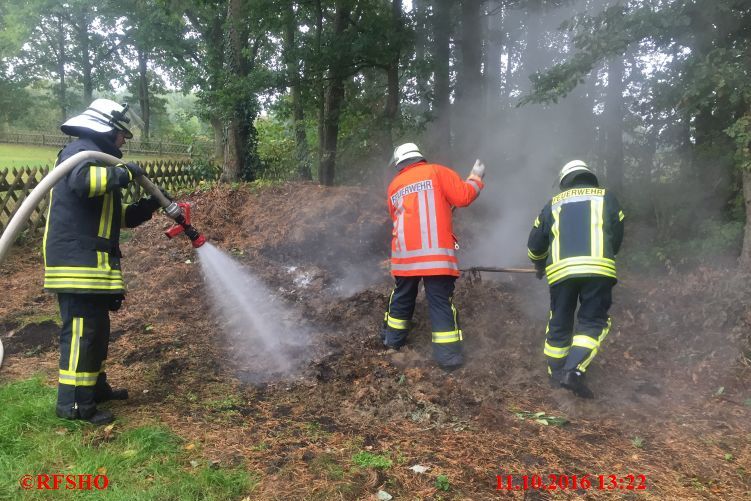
column 22, row 155
column 140, row 462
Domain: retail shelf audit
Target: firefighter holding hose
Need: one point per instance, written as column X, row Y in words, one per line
column 82, row 256
column 574, row 241
column 423, row 247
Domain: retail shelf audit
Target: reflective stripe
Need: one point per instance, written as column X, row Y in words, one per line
column 581, row 270
column 556, row 352
column 82, row 272
column 537, row 222
column 585, row 363
column 75, row 284
column 456, row 319
column 75, row 342
column 581, row 198
column 537, row 257
column 432, row 219
column 587, row 260
column 621, row 215
column 597, row 235
column 47, row 229
column 424, row 266
column 396, row 323
column 105, row 222
column 584, row 341
column 422, row 253
column 423, row 215
column 556, row 245
column 74, row 378
column 97, row 181
column 474, row 185
column 401, row 240
column 447, row 337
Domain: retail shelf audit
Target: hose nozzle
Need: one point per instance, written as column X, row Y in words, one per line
column 180, row 212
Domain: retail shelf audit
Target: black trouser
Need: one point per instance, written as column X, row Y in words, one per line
column 84, row 340
column 568, row 349
column 444, row 319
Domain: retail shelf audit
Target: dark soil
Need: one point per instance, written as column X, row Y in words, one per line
column 31, row 339
column 671, row 381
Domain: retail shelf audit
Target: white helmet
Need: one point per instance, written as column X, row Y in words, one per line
column 102, row 115
column 404, row 152
column 574, row 167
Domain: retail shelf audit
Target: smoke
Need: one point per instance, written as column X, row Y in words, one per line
column 523, row 148
column 265, row 338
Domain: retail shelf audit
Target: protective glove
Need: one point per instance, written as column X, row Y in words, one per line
column 152, row 204
column 540, row 270
column 478, row 169
column 134, row 169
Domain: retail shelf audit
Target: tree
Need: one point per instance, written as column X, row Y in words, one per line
column 708, row 75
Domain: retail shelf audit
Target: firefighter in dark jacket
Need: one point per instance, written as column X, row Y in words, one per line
column 574, row 242
column 82, row 256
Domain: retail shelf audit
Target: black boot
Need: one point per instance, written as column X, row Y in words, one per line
column 112, row 394
column 103, row 392
column 574, row 381
column 99, row 417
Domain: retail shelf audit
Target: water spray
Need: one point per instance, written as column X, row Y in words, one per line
column 180, row 212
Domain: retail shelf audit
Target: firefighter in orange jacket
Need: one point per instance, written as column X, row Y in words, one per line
column 423, row 246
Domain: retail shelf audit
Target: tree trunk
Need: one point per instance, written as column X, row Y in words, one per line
column 533, row 58
column 510, row 30
column 320, row 85
column 61, row 60
column 391, row 111
column 745, row 259
column 469, row 109
column 143, row 92
column 442, row 104
column 419, row 12
column 293, row 80
column 218, row 127
column 613, row 117
column 334, row 97
column 87, row 79
column 236, row 150
column 232, row 154
column 493, row 57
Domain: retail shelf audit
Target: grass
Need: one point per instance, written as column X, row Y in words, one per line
column 368, row 460
column 143, row 463
column 23, row 155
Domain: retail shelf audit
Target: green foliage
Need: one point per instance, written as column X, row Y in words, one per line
column 541, row 418
column 740, row 133
column 442, row 483
column 204, row 169
column 147, row 462
column 276, row 149
column 367, row 460
column 712, row 238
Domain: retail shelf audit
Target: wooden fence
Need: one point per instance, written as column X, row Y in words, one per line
column 16, row 183
column 131, row 145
